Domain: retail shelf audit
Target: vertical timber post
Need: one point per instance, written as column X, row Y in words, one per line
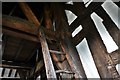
column 70, row 50
column 103, row 61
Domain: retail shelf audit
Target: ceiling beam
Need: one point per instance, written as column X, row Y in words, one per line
column 23, row 28
column 29, row 14
column 14, row 65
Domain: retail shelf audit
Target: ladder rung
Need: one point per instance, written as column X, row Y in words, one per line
column 57, row 52
column 64, row 71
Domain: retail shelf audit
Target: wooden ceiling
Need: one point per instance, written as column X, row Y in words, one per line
column 20, row 27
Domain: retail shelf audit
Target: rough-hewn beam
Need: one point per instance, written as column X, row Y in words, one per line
column 116, row 56
column 50, row 71
column 29, row 14
column 71, row 53
column 19, row 24
column 109, row 24
column 103, row 61
column 23, row 26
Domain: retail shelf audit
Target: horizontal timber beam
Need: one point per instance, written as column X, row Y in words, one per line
column 24, row 26
column 19, row 35
column 14, row 65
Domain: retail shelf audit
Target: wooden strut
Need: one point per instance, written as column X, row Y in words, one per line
column 29, row 14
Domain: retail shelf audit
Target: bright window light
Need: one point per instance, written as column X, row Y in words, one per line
column 77, row 30
column 107, row 39
column 70, row 16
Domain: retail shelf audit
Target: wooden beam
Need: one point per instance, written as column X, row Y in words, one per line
column 19, row 24
column 6, row 64
column 29, row 14
column 48, row 16
column 109, row 24
column 86, row 12
column 24, row 26
column 116, row 56
column 103, row 61
column 62, row 27
column 50, row 71
column 80, row 36
column 19, row 35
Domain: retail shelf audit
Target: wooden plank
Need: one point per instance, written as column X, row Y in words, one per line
column 116, row 56
column 19, row 24
column 50, row 71
column 57, row 52
column 24, row 26
column 6, row 64
column 103, row 61
column 29, row 14
column 109, row 24
column 19, row 35
column 71, row 52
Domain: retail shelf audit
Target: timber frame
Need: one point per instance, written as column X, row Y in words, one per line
column 41, row 43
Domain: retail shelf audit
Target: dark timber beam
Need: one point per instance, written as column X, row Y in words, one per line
column 14, row 65
column 103, row 61
column 47, row 16
column 116, row 56
column 29, row 14
column 109, row 24
column 19, row 35
column 65, row 40
column 25, row 28
column 86, row 12
column 80, row 36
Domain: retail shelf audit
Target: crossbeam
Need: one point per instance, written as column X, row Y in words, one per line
column 23, row 28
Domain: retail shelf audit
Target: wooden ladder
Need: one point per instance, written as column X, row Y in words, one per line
column 51, row 73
